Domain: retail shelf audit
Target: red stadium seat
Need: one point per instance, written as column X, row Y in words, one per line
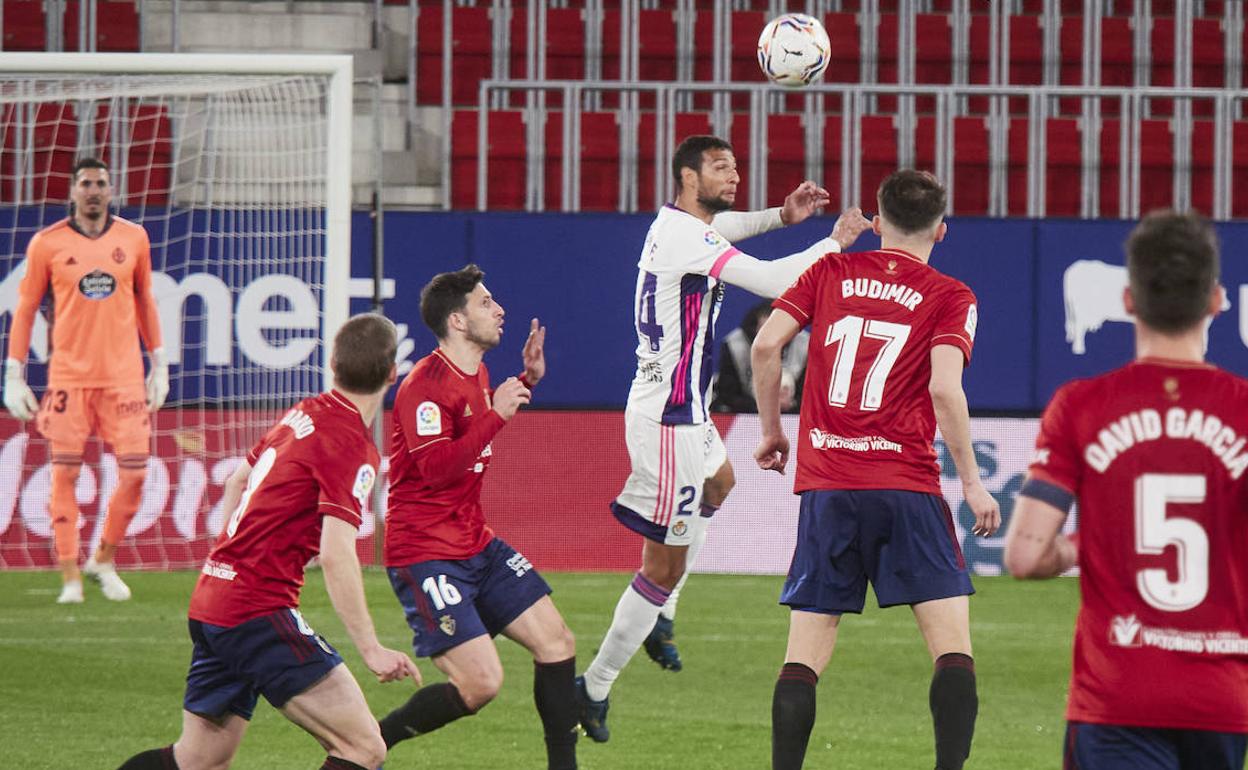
column 25, row 26
column 1161, row 48
column 1156, row 165
column 472, row 44
column 55, row 143
column 879, row 155
column 1239, row 169
column 506, row 152
column 600, row 161
column 970, row 158
column 739, row 136
column 844, row 65
column 117, row 26
column 149, row 135
column 1062, row 170
column 1208, row 54
column 1202, row 166
column 786, row 157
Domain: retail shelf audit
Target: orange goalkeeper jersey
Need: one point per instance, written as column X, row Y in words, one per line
column 101, row 303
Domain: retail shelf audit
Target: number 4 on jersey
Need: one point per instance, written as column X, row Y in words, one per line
column 648, row 324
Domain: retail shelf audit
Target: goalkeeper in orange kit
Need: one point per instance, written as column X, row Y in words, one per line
column 98, row 268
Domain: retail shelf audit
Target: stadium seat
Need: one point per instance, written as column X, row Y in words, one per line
column 844, row 66
column 472, row 44
column 1156, row 165
column 117, row 26
column 600, row 166
column 1202, row 166
column 25, row 25
column 55, row 143
column 1063, row 168
column 1239, row 168
column 786, row 157
column 970, row 159
column 506, row 152
column 1161, row 48
column 879, row 155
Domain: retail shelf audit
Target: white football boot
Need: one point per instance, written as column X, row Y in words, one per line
column 71, row 593
column 110, row 582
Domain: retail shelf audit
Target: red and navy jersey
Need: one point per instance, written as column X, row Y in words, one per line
column 867, row 420
column 318, row 461
column 1156, row 454
column 443, row 424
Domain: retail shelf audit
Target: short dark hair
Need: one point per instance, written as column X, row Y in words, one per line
column 85, row 163
column 689, row 153
column 1172, row 266
column 364, row 350
column 911, row 200
column 447, row 293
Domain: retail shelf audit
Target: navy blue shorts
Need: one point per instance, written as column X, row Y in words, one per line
column 449, row 602
column 276, row 655
column 1115, row 747
column 902, row 542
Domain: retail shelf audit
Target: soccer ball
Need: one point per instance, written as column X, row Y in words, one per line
column 794, row 50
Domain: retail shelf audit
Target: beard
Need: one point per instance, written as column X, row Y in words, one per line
column 714, row 205
column 483, row 338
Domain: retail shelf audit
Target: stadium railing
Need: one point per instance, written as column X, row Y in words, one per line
column 1131, row 105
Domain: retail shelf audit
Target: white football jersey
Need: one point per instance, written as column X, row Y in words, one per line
column 675, row 307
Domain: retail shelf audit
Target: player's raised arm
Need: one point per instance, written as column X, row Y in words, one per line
column 772, row 453
column 534, row 355
column 769, row 278
column 954, row 419
column 800, row 205
column 345, row 586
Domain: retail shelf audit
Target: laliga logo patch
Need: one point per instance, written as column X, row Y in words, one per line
column 972, row 321
column 428, row 419
column 364, row 479
column 447, row 624
column 119, row 256
column 712, row 238
column 97, row 284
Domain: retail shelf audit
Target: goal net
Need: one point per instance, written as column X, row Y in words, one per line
column 238, row 167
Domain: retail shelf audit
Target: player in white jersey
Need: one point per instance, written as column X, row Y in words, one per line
column 680, row 469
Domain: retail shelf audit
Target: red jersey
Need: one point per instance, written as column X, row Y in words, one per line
column 443, row 424
column 867, row 420
column 1155, row 453
column 318, row 461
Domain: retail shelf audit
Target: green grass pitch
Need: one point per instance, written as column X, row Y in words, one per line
column 86, row 687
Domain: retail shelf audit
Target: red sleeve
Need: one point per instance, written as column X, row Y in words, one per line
column 146, row 310
column 29, row 294
column 426, row 415
column 800, row 298
column 346, row 483
column 1057, row 459
column 957, row 322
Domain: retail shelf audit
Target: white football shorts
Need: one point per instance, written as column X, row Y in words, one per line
column 662, row 498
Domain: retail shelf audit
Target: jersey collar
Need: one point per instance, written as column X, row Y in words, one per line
column 341, row 400
column 1175, row 363
column 108, row 222
column 903, row 253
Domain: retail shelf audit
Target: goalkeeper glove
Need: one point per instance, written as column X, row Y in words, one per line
column 157, row 380
column 18, row 397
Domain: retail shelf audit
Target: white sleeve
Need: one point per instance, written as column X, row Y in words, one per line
column 739, row 225
column 771, row 278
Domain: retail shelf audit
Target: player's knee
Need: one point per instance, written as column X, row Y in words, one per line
column 665, row 575
column 131, row 479
column 64, row 477
column 370, row 750
column 480, row 688
column 560, row 646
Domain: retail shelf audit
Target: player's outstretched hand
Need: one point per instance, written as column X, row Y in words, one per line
column 391, row 665
column 803, row 202
column 986, row 509
column 849, row 225
column 534, row 353
column 509, row 397
column 773, row 453
column 19, row 399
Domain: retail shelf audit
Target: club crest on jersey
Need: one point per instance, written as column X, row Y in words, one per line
column 363, row 487
column 712, row 238
column 428, row 419
column 892, row 267
column 679, row 528
column 97, row 284
column 1171, row 385
column 119, row 256
column 447, row 624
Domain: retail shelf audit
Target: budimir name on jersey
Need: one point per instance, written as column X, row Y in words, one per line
column 1147, row 425
column 888, row 292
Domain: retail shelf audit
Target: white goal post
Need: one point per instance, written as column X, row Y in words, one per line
column 239, row 167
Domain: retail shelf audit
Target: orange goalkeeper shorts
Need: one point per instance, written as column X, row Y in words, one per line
column 68, row 416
